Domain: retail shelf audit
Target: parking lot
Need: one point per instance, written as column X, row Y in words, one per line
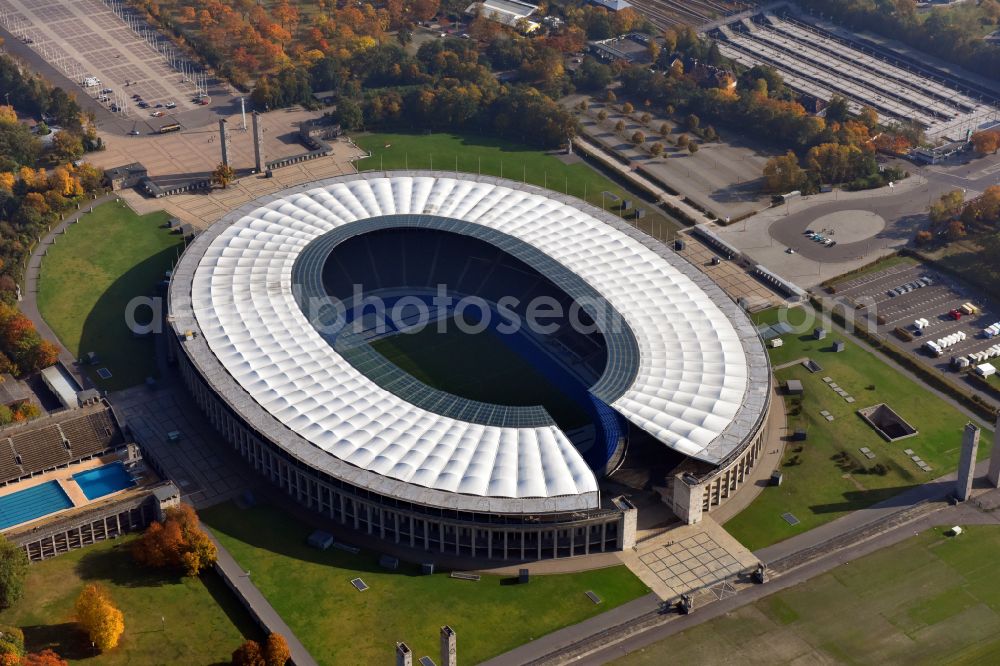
column 933, row 302
column 821, row 64
column 86, row 39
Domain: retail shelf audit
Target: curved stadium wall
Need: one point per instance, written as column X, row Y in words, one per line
column 480, row 480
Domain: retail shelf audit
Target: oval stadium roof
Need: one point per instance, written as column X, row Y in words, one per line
column 700, row 385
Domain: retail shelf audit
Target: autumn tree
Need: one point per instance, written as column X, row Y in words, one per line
column 682, row 141
column 248, row 654
column 924, row 237
column 783, row 173
column 664, row 129
column 11, row 645
column 620, row 126
column 986, row 142
column 223, row 175
column 602, row 115
column 627, row 108
column 947, row 207
column 177, row 543
column 98, row 616
column 869, row 117
column 692, row 147
column 276, row 652
column 645, row 118
column 66, row 146
column 956, row 230
column 691, row 122
column 638, row 138
column 656, row 149
column 46, row 657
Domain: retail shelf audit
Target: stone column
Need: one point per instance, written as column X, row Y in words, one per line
column 258, row 143
column 967, row 462
column 404, row 656
column 223, row 141
column 994, row 474
column 688, row 498
column 449, row 647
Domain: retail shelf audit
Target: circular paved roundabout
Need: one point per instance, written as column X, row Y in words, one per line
column 849, row 226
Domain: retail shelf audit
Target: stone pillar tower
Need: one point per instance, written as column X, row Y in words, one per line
column 449, row 647
column 223, row 141
column 404, row 655
column 994, row 474
column 967, row 462
column 258, row 143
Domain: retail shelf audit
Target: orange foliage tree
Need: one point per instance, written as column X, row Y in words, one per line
column 44, row 658
column 276, row 652
column 177, row 543
column 248, row 654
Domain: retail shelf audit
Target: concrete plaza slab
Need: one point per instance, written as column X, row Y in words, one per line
column 688, row 558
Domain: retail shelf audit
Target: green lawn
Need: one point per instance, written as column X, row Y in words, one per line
column 501, row 375
column 932, row 599
column 88, row 278
column 822, row 487
column 311, row 591
column 495, row 157
column 168, row 620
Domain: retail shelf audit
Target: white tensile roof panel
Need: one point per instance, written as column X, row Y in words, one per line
column 692, row 374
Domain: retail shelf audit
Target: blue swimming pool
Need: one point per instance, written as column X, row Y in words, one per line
column 25, row 505
column 104, row 480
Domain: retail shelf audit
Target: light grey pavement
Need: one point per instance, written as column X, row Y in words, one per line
column 724, row 177
column 610, row 162
column 205, row 470
column 901, row 209
column 569, row 636
column 240, row 582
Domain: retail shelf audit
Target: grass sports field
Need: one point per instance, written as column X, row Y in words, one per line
column 494, row 157
column 831, row 478
column 478, row 366
column 89, row 276
column 932, row 599
column 311, row 590
column 168, row 620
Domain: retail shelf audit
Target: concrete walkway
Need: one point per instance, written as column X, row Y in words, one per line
column 29, row 296
column 575, row 633
column 239, row 582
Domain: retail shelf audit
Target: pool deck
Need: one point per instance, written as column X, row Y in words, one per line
column 64, row 477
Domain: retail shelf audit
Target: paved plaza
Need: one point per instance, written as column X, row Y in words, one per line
column 688, row 558
column 199, row 150
column 205, row 471
column 85, row 38
column 722, row 177
column 733, row 279
column 203, row 208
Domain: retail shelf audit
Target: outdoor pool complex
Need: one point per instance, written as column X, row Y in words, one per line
column 27, row 505
column 101, row 481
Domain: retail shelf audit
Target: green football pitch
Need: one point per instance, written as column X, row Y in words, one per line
column 478, row 366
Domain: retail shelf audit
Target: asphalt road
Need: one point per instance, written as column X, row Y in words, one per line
column 904, row 212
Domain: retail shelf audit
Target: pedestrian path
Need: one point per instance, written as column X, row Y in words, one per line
column 239, row 582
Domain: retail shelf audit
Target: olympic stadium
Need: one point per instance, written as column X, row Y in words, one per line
column 457, row 363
